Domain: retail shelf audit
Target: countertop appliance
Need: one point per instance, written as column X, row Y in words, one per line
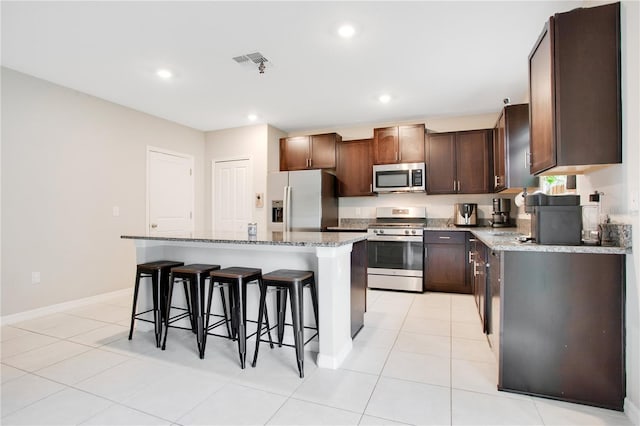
column 501, row 210
column 555, row 219
column 465, row 214
column 303, row 200
column 406, row 177
column 396, row 250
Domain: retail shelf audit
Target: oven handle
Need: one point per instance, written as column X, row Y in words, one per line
column 397, row 238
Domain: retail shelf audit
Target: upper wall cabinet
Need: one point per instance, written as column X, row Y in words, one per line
column 574, row 87
column 511, row 150
column 459, row 162
column 354, row 170
column 309, row 152
column 401, row 144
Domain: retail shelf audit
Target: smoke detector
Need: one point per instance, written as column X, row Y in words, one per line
column 256, row 58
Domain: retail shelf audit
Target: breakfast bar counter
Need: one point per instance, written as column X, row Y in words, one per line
column 328, row 254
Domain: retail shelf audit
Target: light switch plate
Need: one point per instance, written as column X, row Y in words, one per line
column 633, row 201
column 259, row 200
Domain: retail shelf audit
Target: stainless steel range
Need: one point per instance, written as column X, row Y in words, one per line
column 396, row 251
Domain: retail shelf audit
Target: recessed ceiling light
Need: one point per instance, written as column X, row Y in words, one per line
column 252, row 117
column 164, row 74
column 384, row 98
column 346, row 31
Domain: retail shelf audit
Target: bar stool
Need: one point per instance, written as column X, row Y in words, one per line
column 159, row 272
column 293, row 282
column 196, row 276
column 237, row 278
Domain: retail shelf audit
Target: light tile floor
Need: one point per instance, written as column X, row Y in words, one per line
column 421, row 359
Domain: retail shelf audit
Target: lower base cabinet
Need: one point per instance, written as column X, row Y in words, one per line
column 562, row 327
column 446, row 261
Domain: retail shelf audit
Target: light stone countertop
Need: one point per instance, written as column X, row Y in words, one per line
column 304, row 239
column 506, row 239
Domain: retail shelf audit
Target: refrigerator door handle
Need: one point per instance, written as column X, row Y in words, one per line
column 287, row 209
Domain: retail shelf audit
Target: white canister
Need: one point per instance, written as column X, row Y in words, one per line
column 252, row 229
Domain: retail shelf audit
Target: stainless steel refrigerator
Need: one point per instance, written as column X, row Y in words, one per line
column 303, row 200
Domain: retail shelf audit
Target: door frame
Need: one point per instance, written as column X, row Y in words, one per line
column 213, row 182
column 191, row 159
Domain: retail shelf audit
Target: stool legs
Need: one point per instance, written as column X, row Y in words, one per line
column 135, row 303
column 297, row 315
column 281, row 304
column 157, row 314
column 239, row 312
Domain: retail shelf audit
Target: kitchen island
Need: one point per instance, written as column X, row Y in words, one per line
column 327, row 254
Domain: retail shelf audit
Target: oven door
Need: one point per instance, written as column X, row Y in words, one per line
column 395, row 262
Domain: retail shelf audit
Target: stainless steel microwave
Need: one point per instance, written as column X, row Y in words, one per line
column 406, row 177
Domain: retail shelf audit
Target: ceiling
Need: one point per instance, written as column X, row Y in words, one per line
column 434, row 58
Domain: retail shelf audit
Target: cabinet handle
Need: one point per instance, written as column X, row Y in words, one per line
column 527, row 160
column 370, row 187
column 310, row 162
column 496, row 180
column 454, row 186
column 397, row 156
column 470, row 256
column 445, row 238
column 458, row 185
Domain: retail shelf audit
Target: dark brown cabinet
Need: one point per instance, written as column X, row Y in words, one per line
column 354, row 168
column 562, row 326
column 459, row 162
column 309, row 152
column 511, row 150
column 574, row 87
column 479, row 280
column 446, row 260
column 401, row 144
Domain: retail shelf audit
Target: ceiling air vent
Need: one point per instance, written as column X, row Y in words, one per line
column 255, row 57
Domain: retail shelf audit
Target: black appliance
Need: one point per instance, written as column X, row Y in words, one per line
column 555, row 219
column 501, row 211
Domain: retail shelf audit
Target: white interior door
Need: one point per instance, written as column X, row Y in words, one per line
column 231, row 195
column 170, row 193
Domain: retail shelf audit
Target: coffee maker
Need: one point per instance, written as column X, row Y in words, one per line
column 501, row 209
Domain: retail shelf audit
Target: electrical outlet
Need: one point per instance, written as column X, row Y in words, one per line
column 35, row 278
column 116, row 211
column 358, row 212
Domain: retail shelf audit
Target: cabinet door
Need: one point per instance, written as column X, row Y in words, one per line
column 543, row 141
column 323, row 151
column 354, row 169
column 517, row 142
column 445, row 268
column 411, row 144
column 385, row 145
column 472, row 150
column 499, row 154
column 294, row 153
column 441, row 163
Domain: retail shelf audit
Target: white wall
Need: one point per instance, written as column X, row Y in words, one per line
column 67, row 159
column 254, row 142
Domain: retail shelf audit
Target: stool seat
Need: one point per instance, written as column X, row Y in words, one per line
column 196, row 268
column 288, row 275
column 236, row 272
column 159, row 264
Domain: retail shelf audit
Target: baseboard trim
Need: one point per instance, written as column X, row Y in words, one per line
column 632, row 411
column 52, row 309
